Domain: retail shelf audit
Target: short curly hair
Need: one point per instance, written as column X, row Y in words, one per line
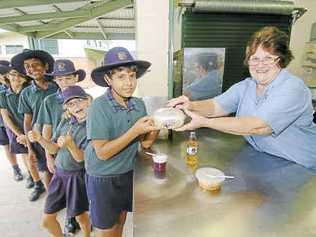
column 272, row 40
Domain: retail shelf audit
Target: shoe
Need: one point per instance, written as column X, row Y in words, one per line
column 29, row 182
column 70, row 226
column 38, row 190
column 17, row 175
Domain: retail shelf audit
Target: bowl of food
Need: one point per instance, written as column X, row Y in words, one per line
column 210, row 179
column 170, row 118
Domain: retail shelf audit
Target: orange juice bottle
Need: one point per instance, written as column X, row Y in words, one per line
column 192, row 149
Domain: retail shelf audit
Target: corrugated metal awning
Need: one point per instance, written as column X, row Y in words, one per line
column 244, row 6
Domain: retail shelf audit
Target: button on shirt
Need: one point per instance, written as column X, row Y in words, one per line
column 286, row 106
column 108, row 120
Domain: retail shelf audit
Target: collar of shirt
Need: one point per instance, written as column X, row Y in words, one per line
column 278, row 80
column 116, row 106
column 35, row 88
column 59, row 96
column 9, row 92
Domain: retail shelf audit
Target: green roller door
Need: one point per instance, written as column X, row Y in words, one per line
column 229, row 31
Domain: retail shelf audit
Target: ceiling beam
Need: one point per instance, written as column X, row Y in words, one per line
column 27, row 3
column 95, row 11
column 43, row 16
column 102, row 29
column 94, row 36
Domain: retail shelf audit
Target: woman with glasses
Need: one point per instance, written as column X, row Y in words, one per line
column 273, row 107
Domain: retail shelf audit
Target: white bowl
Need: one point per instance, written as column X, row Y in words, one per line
column 210, row 179
column 170, row 118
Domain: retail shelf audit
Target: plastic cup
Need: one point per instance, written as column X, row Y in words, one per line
column 160, row 164
column 210, row 179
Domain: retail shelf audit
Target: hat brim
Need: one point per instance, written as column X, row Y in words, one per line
column 4, row 69
column 81, row 74
column 97, row 74
column 18, row 60
column 76, row 96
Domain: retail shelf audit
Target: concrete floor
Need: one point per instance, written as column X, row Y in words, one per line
column 18, row 216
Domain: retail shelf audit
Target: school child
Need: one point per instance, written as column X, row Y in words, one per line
column 67, row 187
column 35, row 63
column 116, row 124
column 51, row 111
column 4, row 139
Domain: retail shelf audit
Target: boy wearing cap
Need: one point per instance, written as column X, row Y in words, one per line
column 4, row 139
column 51, row 111
column 116, row 123
column 67, row 188
column 35, row 63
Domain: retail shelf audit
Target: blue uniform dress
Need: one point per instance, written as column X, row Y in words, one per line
column 286, row 106
column 4, row 140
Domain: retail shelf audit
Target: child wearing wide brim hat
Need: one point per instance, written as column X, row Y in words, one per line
column 116, row 124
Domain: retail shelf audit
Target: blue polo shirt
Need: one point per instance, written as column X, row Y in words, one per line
column 64, row 160
column 206, row 87
column 10, row 101
column 32, row 97
column 108, row 120
column 3, row 89
column 286, row 106
column 51, row 110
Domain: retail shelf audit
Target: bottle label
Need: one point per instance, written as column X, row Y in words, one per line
column 191, row 151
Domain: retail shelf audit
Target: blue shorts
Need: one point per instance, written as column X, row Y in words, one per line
column 4, row 140
column 40, row 156
column 15, row 147
column 108, row 197
column 67, row 190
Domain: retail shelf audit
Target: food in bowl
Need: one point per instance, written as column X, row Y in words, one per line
column 210, row 179
column 170, row 118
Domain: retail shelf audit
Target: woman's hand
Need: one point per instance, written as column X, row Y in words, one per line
column 181, row 102
column 197, row 121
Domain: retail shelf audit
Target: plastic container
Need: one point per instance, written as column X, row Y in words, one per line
column 170, row 118
column 160, row 162
column 210, row 179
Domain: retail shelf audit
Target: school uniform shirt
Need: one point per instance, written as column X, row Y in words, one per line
column 3, row 89
column 9, row 100
column 32, row 97
column 206, row 87
column 108, row 120
column 51, row 110
column 286, row 106
column 64, row 160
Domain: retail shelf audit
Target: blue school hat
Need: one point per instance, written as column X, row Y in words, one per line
column 72, row 92
column 116, row 57
column 18, row 60
column 4, row 66
column 63, row 67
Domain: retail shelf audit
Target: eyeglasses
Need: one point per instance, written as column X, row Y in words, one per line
column 74, row 102
column 265, row 61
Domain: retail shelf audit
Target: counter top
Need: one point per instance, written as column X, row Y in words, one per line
column 268, row 197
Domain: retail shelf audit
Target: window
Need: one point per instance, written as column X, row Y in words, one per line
column 13, row 49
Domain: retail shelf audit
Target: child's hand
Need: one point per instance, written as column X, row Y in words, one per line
column 34, row 135
column 64, row 141
column 22, row 139
column 144, row 125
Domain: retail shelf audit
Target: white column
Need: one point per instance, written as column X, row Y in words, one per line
column 152, row 28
